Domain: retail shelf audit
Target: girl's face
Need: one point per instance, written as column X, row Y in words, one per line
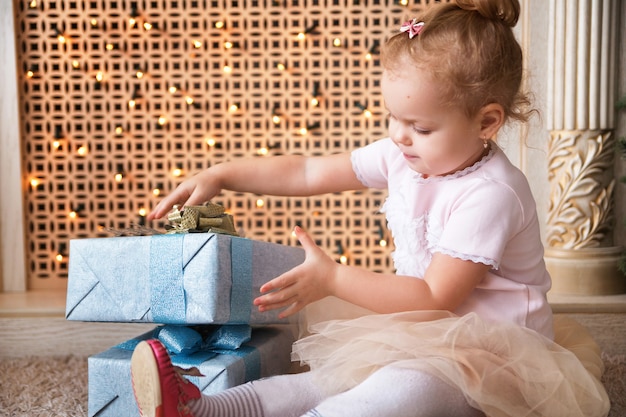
column 434, row 139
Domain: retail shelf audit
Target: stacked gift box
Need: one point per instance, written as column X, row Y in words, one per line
column 199, row 288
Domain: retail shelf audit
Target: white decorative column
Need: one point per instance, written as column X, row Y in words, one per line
column 580, row 253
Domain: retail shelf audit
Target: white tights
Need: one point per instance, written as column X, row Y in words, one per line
column 390, row 392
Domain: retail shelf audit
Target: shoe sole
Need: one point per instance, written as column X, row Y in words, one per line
column 146, row 381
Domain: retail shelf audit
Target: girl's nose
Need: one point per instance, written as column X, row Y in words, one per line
column 401, row 135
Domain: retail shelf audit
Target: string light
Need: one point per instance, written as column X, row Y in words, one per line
column 177, row 172
column 281, row 66
column 197, row 44
column 110, row 46
column 302, row 35
column 308, row 128
column 220, row 24
column 94, row 23
column 336, row 42
column 75, row 64
column 264, row 150
column 60, row 36
column 343, row 257
column 75, row 212
column 34, row 183
column 60, row 256
column 99, row 76
column 58, row 135
column 233, row 108
column 133, row 99
column 374, row 49
column 142, row 216
column 366, row 112
column 189, row 100
column 132, row 20
column 227, row 69
column 156, row 191
column 315, row 94
column 211, row 142
column 82, row 150
column 30, row 73
column 173, row 89
column 147, row 26
column 32, row 4
column 119, row 129
column 381, row 236
column 260, row 203
column 228, row 45
column 276, row 116
column 162, row 121
column 119, row 175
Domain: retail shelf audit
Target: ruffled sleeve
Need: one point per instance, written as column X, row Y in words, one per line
column 371, row 163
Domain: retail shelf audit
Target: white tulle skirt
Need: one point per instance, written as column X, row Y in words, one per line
column 503, row 369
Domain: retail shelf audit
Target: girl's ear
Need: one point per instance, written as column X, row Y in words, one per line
column 491, row 119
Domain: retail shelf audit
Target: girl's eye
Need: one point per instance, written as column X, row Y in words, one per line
column 421, row 131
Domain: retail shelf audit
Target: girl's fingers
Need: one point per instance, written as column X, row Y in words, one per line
column 164, row 206
column 281, row 281
column 304, row 239
column 265, row 304
column 281, row 294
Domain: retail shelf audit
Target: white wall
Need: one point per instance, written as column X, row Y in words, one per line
column 527, row 146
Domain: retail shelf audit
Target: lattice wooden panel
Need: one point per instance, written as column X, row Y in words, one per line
column 121, row 100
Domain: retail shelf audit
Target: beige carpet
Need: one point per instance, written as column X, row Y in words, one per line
column 57, row 386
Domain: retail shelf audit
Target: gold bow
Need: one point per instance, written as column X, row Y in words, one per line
column 209, row 217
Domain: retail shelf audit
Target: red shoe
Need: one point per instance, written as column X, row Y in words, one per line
column 159, row 388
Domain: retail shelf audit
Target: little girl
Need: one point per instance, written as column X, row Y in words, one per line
column 463, row 328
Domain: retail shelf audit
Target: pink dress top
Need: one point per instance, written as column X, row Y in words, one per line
column 484, row 213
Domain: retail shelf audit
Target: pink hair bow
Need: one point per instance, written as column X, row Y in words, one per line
column 413, row 27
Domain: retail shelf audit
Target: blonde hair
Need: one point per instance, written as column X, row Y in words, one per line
column 469, row 49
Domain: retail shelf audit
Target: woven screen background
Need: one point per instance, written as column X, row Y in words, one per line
column 88, row 152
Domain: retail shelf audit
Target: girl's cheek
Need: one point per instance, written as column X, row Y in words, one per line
column 392, row 129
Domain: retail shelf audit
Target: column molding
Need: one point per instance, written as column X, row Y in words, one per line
column 12, row 251
column 582, row 44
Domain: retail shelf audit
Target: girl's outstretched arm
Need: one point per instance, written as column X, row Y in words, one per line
column 288, row 175
column 448, row 282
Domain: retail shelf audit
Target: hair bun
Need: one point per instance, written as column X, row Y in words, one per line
column 506, row 11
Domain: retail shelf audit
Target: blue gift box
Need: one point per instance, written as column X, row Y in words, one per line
column 220, row 360
column 195, row 278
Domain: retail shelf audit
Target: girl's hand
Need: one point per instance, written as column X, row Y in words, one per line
column 193, row 191
column 308, row 282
